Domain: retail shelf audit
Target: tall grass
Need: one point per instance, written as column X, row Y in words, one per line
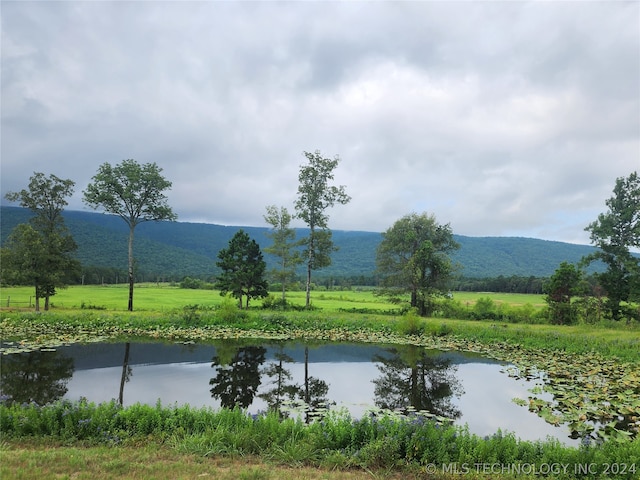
column 377, row 440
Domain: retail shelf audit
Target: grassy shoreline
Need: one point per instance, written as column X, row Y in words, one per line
column 384, row 446
column 616, row 341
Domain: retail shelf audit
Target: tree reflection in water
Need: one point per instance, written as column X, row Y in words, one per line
column 315, row 391
column 39, row 377
column 414, row 377
column 283, row 390
column 238, row 376
column 126, row 372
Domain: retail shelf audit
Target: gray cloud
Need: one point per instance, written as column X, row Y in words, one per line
column 499, row 118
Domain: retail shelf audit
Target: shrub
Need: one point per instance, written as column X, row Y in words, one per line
column 192, row 283
column 195, row 284
column 228, row 311
column 271, row 302
column 444, row 330
column 485, row 309
column 191, row 316
column 450, row 308
column 380, row 453
column 410, row 323
column 523, row 314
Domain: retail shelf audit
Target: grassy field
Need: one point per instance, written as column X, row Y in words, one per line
column 512, row 299
column 163, row 297
column 156, row 297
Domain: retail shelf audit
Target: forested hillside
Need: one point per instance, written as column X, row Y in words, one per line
column 172, row 250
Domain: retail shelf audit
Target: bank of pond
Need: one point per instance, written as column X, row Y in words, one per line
column 350, row 404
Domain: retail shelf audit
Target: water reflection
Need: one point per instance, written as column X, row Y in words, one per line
column 417, row 378
column 126, row 372
column 283, row 390
column 268, row 376
column 39, row 377
column 315, row 390
column 238, row 375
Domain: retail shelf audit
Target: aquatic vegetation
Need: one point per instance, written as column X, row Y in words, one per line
column 599, row 398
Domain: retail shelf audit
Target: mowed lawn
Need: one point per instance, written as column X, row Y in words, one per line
column 165, row 297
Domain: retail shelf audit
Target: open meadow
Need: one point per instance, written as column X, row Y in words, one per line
column 159, row 297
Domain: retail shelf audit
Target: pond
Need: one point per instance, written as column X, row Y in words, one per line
column 465, row 387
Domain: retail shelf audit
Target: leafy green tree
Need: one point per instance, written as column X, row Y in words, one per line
column 315, row 195
column 46, row 197
column 243, row 269
column 565, row 283
column 283, row 247
column 134, row 192
column 23, row 259
column 413, row 258
column 614, row 233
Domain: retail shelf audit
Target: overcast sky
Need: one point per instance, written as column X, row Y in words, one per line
column 500, row 118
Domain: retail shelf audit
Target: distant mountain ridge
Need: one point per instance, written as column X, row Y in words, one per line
column 178, row 249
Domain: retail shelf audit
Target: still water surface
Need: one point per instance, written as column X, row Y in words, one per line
column 466, row 387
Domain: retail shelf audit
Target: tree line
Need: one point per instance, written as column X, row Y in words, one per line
column 500, row 284
column 40, row 252
column 413, row 259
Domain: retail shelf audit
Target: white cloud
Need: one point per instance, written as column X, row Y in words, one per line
column 499, row 118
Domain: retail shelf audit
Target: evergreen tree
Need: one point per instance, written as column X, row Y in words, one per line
column 243, row 269
column 564, row 284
